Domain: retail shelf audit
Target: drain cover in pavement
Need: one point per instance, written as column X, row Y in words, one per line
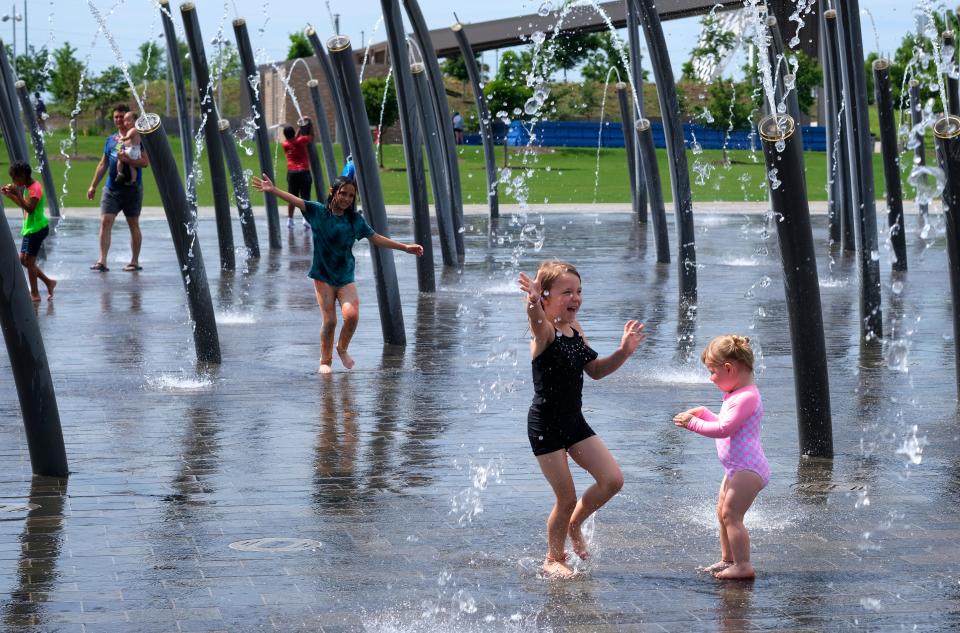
column 18, row 507
column 279, row 545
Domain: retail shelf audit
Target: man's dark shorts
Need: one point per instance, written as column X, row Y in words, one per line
column 31, row 243
column 127, row 199
column 298, row 183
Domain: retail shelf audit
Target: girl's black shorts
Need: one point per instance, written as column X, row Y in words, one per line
column 549, row 432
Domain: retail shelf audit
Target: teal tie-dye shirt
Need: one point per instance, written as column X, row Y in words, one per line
column 333, row 238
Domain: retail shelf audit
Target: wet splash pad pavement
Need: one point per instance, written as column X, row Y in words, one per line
column 402, row 496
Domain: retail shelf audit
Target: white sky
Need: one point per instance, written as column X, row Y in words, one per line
column 51, row 22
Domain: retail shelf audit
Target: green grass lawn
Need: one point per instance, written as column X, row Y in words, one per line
column 557, row 175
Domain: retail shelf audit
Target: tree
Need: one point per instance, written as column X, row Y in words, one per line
column 731, row 105
column 455, row 67
column 515, row 66
column 152, row 63
column 107, row 90
column 713, row 45
column 375, row 103
column 567, row 50
column 65, row 78
column 225, row 61
column 603, row 57
column 505, row 97
column 30, row 67
column 299, row 46
column 808, row 76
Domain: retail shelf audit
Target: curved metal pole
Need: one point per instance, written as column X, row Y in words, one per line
column 891, row 162
column 629, row 136
column 251, row 82
column 368, row 180
column 952, row 82
column 182, row 225
column 412, row 137
column 39, row 150
column 444, row 125
column 657, row 212
column 211, row 134
column 321, row 126
column 842, row 173
column 860, row 152
column 801, row 285
column 946, row 131
column 920, row 151
column 9, row 82
column 673, row 131
column 316, row 171
column 248, row 224
column 831, row 128
column 321, row 54
column 28, row 361
column 483, row 115
column 180, row 90
column 438, row 166
column 640, row 177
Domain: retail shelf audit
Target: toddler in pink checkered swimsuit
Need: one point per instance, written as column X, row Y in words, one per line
column 737, row 431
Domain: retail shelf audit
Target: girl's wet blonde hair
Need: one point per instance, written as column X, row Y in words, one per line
column 552, row 270
column 728, row 348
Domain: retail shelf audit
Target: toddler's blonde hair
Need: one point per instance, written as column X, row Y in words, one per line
column 552, row 270
column 727, row 348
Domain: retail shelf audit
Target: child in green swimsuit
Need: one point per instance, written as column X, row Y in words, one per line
column 27, row 193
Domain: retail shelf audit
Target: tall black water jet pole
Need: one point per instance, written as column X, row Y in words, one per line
column 949, row 42
column 860, row 152
column 657, row 212
column 183, row 231
column 946, row 131
column 483, row 115
column 326, row 143
column 641, row 176
column 629, row 137
column 211, row 134
column 891, row 162
column 444, row 124
column 321, row 54
column 251, row 83
column 180, row 90
column 241, row 194
column 28, row 361
column 673, row 131
column 412, row 137
column 10, row 96
column 438, row 166
column 830, row 107
column 842, row 172
column 39, row 150
column 800, row 283
column 920, row 151
column 368, row 181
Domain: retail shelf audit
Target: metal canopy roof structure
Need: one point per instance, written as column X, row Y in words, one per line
column 517, row 30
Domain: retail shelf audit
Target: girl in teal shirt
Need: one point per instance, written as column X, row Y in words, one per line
column 336, row 226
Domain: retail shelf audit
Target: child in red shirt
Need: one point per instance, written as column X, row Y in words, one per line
column 298, row 164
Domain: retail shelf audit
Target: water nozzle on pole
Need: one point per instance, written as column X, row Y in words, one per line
column 946, row 132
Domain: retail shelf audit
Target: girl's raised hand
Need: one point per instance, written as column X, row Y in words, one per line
column 531, row 287
column 414, row 249
column 262, row 184
column 632, row 336
column 681, row 419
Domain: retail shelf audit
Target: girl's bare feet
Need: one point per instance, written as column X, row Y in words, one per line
column 325, row 368
column 577, row 541
column 557, row 567
column 720, row 565
column 35, row 297
column 50, row 286
column 737, row 571
column 345, row 358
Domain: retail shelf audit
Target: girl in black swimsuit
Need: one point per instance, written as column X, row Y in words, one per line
column 555, row 424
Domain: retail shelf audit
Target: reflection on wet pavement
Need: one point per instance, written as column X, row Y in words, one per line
column 401, row 496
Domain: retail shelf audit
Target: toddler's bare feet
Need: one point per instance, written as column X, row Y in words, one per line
column 345, row 358
column 720, row 565
column 50, row 286
column 576, row 539
column 556, row 567
column 737, row 571
column 325, row 368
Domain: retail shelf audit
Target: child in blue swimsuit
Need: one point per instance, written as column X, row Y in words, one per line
column 555, row 424
column 336, row 226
